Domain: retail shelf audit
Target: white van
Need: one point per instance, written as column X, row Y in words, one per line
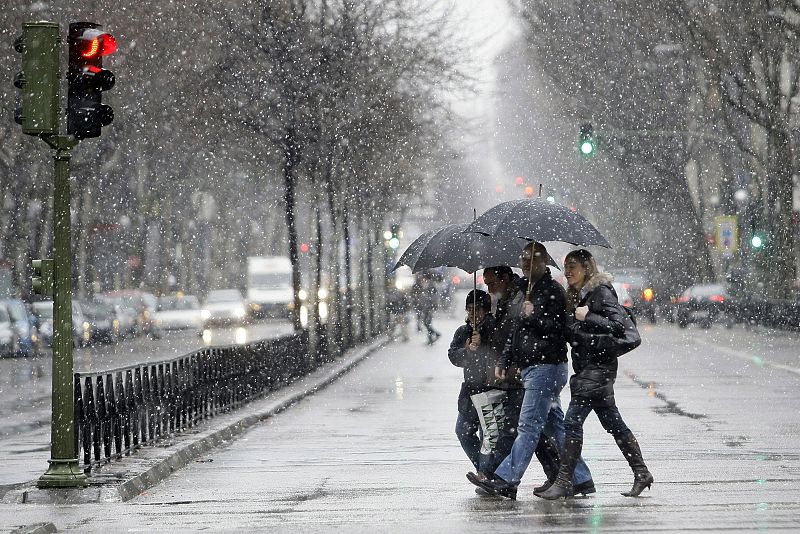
column 269, row 286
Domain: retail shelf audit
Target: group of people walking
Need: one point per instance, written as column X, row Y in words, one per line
column 515, row 366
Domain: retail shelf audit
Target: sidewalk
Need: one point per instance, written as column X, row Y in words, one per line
column 376, row 452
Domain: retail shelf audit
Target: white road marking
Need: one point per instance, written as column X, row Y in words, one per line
column 758, row 360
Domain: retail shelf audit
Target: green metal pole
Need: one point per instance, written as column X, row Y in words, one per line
column 64, row 471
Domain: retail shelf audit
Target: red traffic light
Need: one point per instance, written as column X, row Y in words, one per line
column 519, row 180
column 95, row 43
column 304, row 247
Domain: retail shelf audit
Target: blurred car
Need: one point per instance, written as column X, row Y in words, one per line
column 126, row 315
column 637, row 282
column 224, row 306
column 179, row 312
column 701, row 304
column 43, row 311
column 9, row 345
column 623, row 296
column 102, row 320
column 143, row 303
column 24, row 327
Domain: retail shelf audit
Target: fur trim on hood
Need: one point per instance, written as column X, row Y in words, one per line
column 597, row 280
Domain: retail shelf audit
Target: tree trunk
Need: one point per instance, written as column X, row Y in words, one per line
column 289, row 183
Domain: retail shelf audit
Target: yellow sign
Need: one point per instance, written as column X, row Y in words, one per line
column 727, row 234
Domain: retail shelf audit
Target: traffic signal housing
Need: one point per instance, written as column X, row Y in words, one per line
column 586, row 144
column 37, row 111
column 87, row 79
column 42, row 279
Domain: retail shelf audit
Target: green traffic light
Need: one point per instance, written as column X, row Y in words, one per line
column 587, row 148
column 757, row 241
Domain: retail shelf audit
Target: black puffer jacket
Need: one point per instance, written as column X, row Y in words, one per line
column 477, row 365
column 539, row 338
column 594, row 357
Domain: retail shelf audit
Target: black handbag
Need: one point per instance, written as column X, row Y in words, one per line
column 630, row 338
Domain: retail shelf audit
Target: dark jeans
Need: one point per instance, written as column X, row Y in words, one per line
column 609, row 417
column 468, row 430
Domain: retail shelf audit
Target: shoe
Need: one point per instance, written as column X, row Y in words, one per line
column 640, row 482
column 544, row 487
column 641, row 476
column 482, row 492
column 560, row 489
column 494, row 486
column 584, row 488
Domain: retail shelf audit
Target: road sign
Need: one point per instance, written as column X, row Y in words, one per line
column 727, row 230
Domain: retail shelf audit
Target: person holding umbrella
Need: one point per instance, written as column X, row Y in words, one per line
column 591, row 331
column 538, row 347
column 470, row 350
column 507, row 290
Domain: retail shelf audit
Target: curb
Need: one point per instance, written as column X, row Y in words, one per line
column 36, row 528
column 125, row 479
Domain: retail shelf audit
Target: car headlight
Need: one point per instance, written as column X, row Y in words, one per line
column 322, row 293
column 239, row 312
column 205, row 314
column 302, row 294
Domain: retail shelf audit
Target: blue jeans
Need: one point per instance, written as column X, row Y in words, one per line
column 541, row 408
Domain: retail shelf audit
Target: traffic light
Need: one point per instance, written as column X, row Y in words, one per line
column 37, row 111
column 394, row 240
column 757, row 241
column 87, row 79
column 42, row 279
column 586, row 140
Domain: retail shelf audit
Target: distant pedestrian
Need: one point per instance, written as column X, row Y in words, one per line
column 593, row 324
column 398, row 306
column 426, row 303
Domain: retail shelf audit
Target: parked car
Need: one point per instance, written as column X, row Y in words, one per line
column 126, row 315
column 9, row 345
column 179, row 312
column 701, row 304
column 43, row 311
column 102, row 319
column 24, row 327
column 637, row 282
column 224, row 306
column 143, row 302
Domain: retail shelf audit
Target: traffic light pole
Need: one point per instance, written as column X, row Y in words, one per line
column 64, row 471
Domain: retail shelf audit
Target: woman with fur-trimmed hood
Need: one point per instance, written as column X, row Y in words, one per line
column 594, row 320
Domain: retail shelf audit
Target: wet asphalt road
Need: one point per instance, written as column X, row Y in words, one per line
column 25, row 387
column 717, row 413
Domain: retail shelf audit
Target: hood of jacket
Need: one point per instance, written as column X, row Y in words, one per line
column 596, row 281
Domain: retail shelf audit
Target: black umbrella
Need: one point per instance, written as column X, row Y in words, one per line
column 535, row 219
column 451, row 246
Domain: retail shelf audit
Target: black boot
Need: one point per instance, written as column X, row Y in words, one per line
column 548, row 455
column 641, row 476
column 563, row 484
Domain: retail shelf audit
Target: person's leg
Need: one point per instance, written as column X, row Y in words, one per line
column 582, row 478
column 541, row 383
column 573, row 443
column 467, row 431
column 612, row 421
column 508, row 432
